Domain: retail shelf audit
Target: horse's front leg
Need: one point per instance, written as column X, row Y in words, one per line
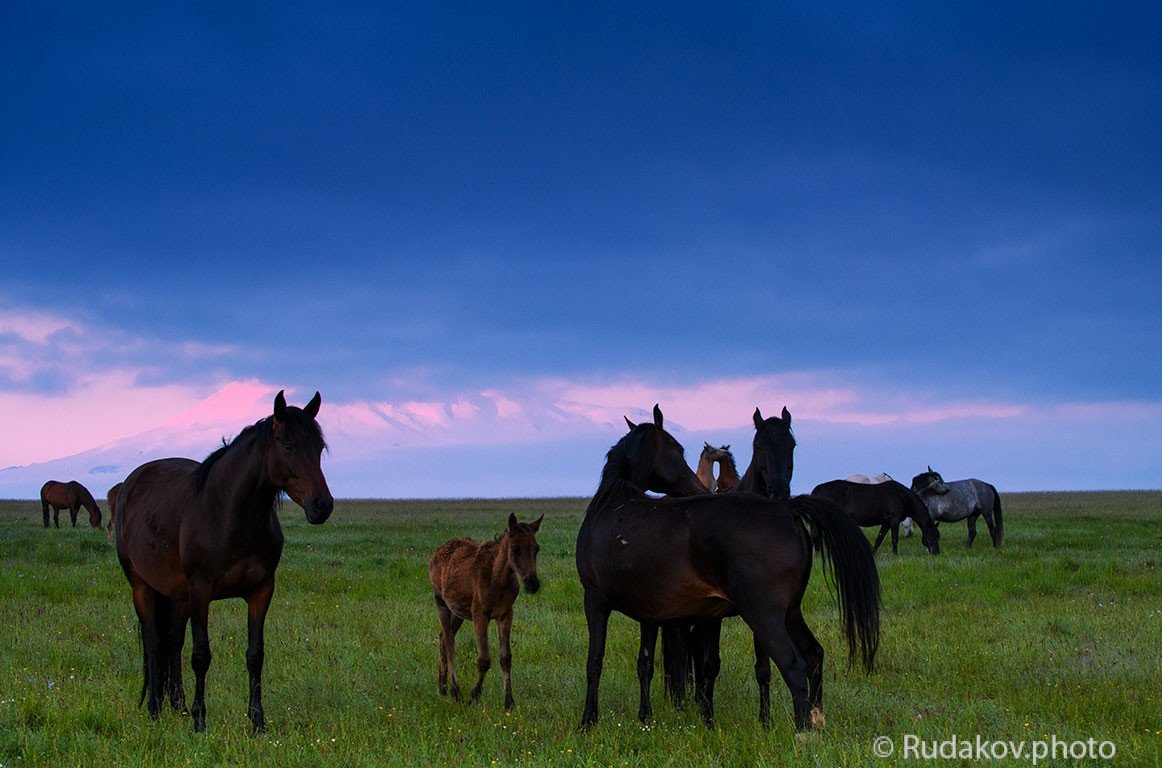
column 73, row 512
column 645, row 667
column 895, row 538
column 256, row 607
column 200, row 592
column 597, row 618
column 503, row 635
column 483, row 657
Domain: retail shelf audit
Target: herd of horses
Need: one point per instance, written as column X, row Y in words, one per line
column 673, row 549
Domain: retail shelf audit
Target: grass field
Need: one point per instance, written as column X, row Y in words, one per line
column 1059, row 634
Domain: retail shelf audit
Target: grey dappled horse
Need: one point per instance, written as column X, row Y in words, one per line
column 960, row 500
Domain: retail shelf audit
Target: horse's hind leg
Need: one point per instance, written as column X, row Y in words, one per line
column 449, row 626
column 812, row 653
column 483, row 657
column 44, row 508
column 707, row 664
column 762, row 676
column 645, row 668
column 987, row 513
column 880, row 539
column 145, row 604
column 503, row 635
column 774, row 639
column 257, row 604
column 179, row 618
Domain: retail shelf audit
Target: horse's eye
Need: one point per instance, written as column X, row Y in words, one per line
column 289, row 447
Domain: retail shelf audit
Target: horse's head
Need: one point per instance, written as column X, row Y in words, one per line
column 293, row 461
column 521, row 541
column 774, row 454
column 650, row 458
column 929, row 482
column 95, row 515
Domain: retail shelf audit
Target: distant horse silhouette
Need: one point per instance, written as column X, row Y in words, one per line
column 962, row 500
column 882, row 477
column 71, row 496
column 883, row 504
column 189, row 533
column 111, row 501
column 478, row 582
column 710, row 556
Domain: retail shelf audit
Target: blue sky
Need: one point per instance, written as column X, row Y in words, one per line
column 942, row 205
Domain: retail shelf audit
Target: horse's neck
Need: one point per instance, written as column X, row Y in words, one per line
column 705, row 471
column 749, row 481
column 727, row 474
column 500, row 570
column 240, row 487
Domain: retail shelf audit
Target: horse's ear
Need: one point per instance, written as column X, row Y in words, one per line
column 726, row 447
column 280, row 406
column 786, row 415
column 512, row 521
column 708, row 446
column 929, row 467
column 536, row 524
column 629, row 423
column 758, row 418
column 312, row 408
column 657, row 416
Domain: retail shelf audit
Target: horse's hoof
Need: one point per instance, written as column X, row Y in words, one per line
column 804, row 737
column 818, row 721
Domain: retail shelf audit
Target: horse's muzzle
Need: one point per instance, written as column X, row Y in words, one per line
column 532, row 584
column 318, row 509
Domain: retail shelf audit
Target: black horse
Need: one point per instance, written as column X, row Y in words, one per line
column 690, row 649
column 884, row 504
column 188, row 533
column 710, row 556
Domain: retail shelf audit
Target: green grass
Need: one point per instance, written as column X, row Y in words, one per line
column 1057, row 634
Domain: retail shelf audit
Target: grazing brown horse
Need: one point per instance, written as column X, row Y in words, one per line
column 71, row 496
column 884, row 504
column 189, row 533
column 710, row 556
column 478, row 582
column 111, row 499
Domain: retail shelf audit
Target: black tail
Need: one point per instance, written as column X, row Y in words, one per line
column 676, row 661
column 997, row 517
column 848, row 557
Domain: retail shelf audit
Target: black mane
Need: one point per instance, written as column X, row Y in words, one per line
column 259, row 431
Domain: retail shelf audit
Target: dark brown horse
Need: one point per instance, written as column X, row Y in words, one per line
column 71, row 496
column 709, row 556
column 884, row 504
column 479, row 583
column 111, row 500
column 189, row 533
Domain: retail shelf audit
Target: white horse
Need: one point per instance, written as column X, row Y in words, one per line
column 882, row 477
